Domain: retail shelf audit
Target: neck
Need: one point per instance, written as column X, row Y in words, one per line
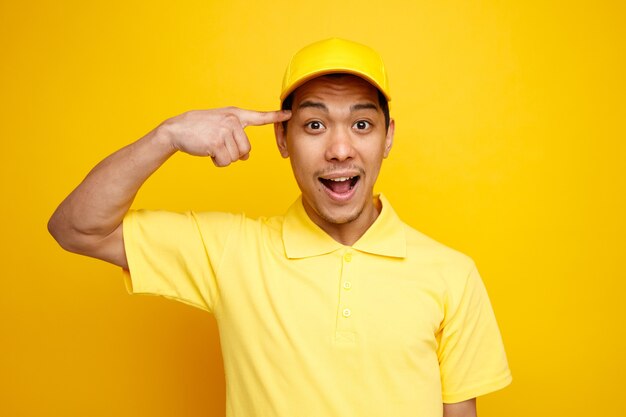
column 350, row 232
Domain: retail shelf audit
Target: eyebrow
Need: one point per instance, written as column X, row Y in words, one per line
column 363, row 106
column 313, row 104
column 322, row 106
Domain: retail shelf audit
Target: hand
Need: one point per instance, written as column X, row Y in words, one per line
column 218, row 133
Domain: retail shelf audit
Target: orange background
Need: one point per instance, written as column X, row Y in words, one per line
column 509, row 146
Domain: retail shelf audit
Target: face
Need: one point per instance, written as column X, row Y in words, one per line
column 336, row 141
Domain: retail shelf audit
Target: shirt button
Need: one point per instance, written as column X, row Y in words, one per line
column 347, row 285
column 347, row 257
column 347, row 312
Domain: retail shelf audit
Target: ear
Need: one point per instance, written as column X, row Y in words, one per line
column 389, row 137
column 281, row 139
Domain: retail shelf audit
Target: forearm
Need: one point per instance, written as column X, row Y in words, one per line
column 96, row 207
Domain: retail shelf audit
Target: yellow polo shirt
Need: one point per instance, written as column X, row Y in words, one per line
column 394, row 325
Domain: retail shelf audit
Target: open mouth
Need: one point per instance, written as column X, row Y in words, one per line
column 341, row 185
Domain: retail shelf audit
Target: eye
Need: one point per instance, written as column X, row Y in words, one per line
column 314, row 125
column 362, row 125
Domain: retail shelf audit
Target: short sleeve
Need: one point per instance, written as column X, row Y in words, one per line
column 168, row 255
column 471, row 354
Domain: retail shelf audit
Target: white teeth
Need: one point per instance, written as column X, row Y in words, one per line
column 341, row 179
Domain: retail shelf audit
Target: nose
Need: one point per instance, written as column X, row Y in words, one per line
column 340, row 146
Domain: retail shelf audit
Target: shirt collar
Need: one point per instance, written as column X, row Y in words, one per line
column 303, row 238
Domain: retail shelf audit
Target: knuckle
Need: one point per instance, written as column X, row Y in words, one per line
column 220, row 161
column 231, row 119
column 219, row 147
column 224, row 131
column 245, row 147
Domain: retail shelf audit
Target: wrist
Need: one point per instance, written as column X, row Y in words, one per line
column 164, row 137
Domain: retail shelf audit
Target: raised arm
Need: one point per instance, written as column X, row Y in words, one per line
column 89, row 220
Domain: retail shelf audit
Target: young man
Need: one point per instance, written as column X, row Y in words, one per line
column 336, row 308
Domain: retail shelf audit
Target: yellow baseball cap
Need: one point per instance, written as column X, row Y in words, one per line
column 332, row 56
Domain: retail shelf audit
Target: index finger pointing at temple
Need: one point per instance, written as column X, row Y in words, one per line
column 259, row 118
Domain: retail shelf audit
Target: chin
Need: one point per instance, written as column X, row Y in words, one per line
column 340, row 215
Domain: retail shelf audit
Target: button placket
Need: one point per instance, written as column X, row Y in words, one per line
column 346, row 312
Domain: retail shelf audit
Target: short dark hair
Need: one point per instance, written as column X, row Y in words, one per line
column 382, row 102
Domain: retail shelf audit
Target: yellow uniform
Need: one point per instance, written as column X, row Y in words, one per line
column 392, row 326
